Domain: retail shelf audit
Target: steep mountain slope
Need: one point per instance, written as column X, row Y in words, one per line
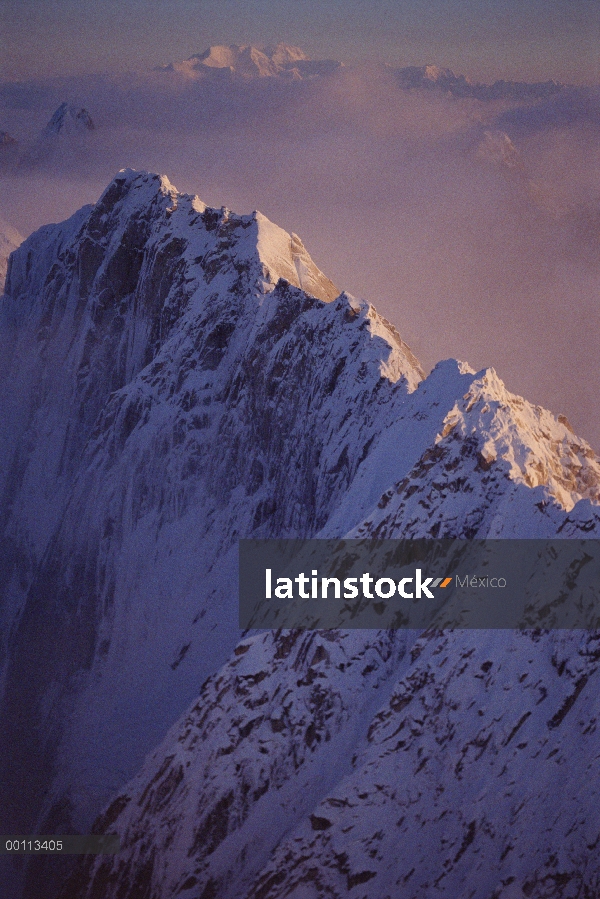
column 368, row 764
column 475, row 778
column 339, row 763
column 153, row 414
column 335, row 764
column 177, row 377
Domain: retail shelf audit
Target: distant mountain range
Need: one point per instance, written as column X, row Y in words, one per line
column 68, row 137
column 285, row 61
column 434, row 78
column 282, row 61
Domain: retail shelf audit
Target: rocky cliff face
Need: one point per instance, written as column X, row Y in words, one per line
column 180, row 377
column 336, row 764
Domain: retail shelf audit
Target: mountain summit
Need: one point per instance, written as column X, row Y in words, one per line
column 249, row 62
column 69, row 119
column 64, row 141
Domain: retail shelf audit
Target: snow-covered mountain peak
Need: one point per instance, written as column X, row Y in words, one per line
column 132, row 192
column 64, row 141
column 536, row 447
column 211, row 241
column 68, row 119
column 238, row 57
column 189, row 383
column 436, row 73
column 497, row 466
column 428, row 76
column 282, row 54
column 245, row 60
column 250, row 62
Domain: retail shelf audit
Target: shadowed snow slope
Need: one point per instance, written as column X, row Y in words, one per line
column 178, row 377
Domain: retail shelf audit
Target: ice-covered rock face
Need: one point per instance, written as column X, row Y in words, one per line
column 177, row 377
column 477, row 777
column 319, row 764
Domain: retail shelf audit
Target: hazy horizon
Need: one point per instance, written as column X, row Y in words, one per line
column 398, row 195
column 513, row 40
